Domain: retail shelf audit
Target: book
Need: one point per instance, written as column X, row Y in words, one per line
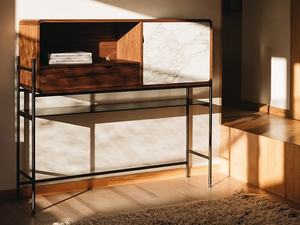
column 70, row 55
column 70, row 61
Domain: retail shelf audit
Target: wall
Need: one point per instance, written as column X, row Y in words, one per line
column 7, row 100
column 295, row 59
column 83, row 143
column 266, row 52
column 231, row 52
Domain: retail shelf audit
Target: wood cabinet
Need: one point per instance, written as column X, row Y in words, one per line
column 173, row 52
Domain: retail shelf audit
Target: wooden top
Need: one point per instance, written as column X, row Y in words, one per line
column 34, row 22
column 260, row 123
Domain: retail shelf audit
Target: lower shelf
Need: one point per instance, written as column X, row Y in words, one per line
column 83, row 185
column 100, row 173
column 57, row 111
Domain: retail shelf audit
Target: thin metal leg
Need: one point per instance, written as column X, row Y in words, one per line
column 18, row 129
column 33, row 182
column 187, row 131
column 210, row 139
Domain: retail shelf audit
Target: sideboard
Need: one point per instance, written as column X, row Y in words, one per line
column 127, row 56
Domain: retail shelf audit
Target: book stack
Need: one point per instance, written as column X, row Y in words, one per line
column 70, row 58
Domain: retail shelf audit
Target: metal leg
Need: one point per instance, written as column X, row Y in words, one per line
column 33, row 182
column 32, row 117
column 187, row 131
column 18, row 129
column 210, row 139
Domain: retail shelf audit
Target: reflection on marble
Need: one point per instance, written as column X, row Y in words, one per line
column 176, row 52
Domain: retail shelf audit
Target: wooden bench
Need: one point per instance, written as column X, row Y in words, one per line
column 263, row 150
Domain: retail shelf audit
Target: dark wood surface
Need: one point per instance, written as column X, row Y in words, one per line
column 92, row 77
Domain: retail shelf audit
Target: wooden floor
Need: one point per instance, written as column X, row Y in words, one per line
column 76, row 206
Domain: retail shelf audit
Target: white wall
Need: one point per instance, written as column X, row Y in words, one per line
column 68, row 145
column 266, row 52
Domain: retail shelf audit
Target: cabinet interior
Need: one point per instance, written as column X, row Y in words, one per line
column 101, row 39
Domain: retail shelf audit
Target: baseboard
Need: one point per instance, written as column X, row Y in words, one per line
column 84, row 185
column 275, row 111
column 265, row 108
column 8, row 195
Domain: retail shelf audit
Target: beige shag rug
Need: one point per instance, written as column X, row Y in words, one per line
column 239, row 208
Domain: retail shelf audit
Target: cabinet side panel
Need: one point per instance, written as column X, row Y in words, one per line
column 28, row 49
column 129, row 46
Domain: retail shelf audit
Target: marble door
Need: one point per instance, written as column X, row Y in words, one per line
column 176, row 52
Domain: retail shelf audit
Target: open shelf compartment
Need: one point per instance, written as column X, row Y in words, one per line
column 120, row 40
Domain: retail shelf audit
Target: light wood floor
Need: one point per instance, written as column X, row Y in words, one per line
column 76, row 206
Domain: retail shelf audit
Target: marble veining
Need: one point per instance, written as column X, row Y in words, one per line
column 176, row 52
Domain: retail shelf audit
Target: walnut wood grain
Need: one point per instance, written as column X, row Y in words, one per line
column 28, row 50
column 75, row 78
column 108, row 48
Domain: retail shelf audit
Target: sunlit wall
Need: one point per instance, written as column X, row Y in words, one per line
column 84, row 143
column 266, row 52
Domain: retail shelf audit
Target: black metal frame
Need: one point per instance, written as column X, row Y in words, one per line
column 30, row 114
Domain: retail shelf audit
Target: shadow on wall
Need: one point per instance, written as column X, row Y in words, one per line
column 106, row 136
column 160, row 9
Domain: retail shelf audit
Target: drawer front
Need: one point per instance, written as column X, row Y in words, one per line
column 73, row 79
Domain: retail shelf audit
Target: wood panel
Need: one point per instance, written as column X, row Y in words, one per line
column 80, row 78
column 270, row 164
column 238, row 155
column 225, row 150
column 28, row 50
column 292, row 171
column 130, row 45
column 108, row 49
column 253, row 158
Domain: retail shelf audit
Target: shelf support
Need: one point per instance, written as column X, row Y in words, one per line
column 29, row 117
column 33, row 182
column 210, row 139
column 187, row 131
column 18, row 129
column 30, row 114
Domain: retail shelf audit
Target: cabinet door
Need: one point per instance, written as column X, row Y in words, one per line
column 176, row 52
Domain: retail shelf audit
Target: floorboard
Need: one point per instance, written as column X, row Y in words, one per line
column 126, row 198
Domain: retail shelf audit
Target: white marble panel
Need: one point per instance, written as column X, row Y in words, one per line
column 176, row 52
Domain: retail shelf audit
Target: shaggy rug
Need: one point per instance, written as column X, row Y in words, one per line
column 239, row 208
